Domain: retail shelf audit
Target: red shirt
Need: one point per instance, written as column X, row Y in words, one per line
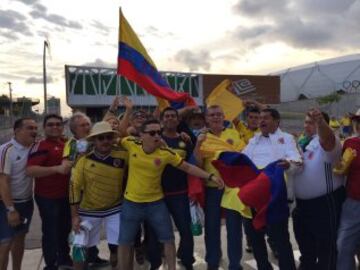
column 48, row 153
column 353, row 179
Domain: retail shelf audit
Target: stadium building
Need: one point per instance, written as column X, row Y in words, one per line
column 92, row 89
column 300, row 86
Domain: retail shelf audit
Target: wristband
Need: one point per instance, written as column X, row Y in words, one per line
column 113, row 112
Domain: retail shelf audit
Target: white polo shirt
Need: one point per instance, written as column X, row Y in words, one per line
column 317, row 179
column 13, row 159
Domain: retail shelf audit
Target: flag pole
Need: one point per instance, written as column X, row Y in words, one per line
column 118, row 78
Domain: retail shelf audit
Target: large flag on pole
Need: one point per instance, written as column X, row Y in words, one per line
column 135, row 64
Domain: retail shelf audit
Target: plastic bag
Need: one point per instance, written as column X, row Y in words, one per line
column 79, row 241
column 197, row 218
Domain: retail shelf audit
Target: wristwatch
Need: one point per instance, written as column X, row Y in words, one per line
column 10, row 209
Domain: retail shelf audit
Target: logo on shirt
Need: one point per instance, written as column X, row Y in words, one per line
column 230, row 141
column 182, row 144
column 18, row 158
column 134, row 155
column 310, row 155
column 117, row 163
column 281, row 140
column 157, row 162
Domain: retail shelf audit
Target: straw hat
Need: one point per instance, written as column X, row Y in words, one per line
column 100, row 128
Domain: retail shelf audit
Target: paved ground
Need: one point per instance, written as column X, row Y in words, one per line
column 33, row 259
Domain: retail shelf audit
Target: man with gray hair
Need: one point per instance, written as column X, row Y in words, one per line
column 79, row 124
column 75, row 147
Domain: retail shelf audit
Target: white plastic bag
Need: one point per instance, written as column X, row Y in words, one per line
column 197, row 218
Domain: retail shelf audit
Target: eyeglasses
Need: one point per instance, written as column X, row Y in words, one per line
column 153, row 132
column 108, row 137
column 57, row 124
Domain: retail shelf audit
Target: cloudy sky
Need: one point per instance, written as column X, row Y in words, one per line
column 207, row 36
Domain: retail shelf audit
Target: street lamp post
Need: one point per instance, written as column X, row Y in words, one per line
column 11, row 103
column 46, row 45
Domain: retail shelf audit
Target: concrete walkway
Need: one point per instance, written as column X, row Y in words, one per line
column 33, row 254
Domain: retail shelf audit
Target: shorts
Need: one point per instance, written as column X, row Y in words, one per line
column 112, row 227
column 155, row 214
column 25, row 209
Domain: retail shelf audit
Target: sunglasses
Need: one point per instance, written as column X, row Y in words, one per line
column 108, row 137
column 153, row 132
column 57, row 124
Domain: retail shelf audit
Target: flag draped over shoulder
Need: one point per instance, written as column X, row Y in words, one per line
column 263, row 190
column 135, row 64
column 231, row 104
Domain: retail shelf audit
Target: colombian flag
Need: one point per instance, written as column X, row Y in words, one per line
column 263, row 190
column 135, row 64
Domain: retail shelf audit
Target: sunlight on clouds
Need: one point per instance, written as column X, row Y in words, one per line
column 229, row 36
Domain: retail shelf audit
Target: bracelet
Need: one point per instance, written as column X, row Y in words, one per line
column 10, row 209
column 210, row 176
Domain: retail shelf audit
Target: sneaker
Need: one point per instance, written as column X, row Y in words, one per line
column 248, row 248
column 98, row 262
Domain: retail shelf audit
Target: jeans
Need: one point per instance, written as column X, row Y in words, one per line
column 56, row 226
column 155, row 214
column 348, row 240
column 279, row 234
column 213, row 227
column 316, row 223
column 178, row 206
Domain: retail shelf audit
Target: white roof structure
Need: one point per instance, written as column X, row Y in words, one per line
column 320, row 78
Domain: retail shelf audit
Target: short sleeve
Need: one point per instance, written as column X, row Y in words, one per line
column 67, row 149
column 347, row 144
column 174, row 159
column 5, row 161
column 335, row 154
column 37, row 155
column 127, row 141
column 77, row 181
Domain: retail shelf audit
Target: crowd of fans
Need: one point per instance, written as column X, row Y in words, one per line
column 129, row 174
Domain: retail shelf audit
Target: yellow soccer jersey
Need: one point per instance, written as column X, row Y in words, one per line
column 245, row 133
column 97, row 183
column 231, row 136
column 145, row 170
column 68, row 147
column 345, row 121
